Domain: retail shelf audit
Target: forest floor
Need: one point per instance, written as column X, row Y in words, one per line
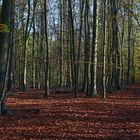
column 62, row 117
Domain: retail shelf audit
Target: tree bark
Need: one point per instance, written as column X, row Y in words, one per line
column 47, row 51
column 93, row 70
column 4, row 53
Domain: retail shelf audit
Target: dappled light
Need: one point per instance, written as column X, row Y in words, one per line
column 63, row 117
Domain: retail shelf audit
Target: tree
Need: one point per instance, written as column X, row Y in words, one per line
column 47, row 51
column 87, row 47
column 93, row 70
column 129, row 40
column 82, row 3
column 104, row 46
column 72, row 48
column 26, row 35
column 113, row 42
column 11, row 72
column 4, row 52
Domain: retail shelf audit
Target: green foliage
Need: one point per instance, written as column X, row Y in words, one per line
column 4, row 28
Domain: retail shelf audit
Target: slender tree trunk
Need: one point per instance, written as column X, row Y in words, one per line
column 79, row 40
column 24, row 72
column 87, row 48
column 93, row 70
column 121, row 52
column 133, row 61
column 104, row 48
column 61, row 44
column 47, row 50
column 129, row 43
column 34, row 44
column 73, row 49
column 11, row 73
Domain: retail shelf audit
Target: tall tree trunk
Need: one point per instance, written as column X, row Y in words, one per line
column 129, row 42
column 47, row 50
column 87, row 48
column 121, row 51
column 93, row 70
column 11, row 73
column 80, row 40
column 24, row 72
column 61, row 44
column 133, row 61
column 104, row 48
column 34, row 44
column 4, row 52
column 73, row 49
column 115, row 56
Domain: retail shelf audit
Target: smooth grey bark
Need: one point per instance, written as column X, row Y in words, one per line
column 93, row 70
column 24, row 70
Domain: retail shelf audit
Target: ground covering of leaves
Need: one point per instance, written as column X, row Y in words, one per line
column 62, row 117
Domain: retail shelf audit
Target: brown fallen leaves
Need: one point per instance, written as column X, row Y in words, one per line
column 63, row 117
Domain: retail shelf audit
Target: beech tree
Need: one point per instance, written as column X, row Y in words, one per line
column 47, row 51
column 93, row 91
column 4, row 52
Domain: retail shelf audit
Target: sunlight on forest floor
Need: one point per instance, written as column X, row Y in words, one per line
column 63, row 117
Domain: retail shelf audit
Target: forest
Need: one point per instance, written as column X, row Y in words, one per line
column 70, row 69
